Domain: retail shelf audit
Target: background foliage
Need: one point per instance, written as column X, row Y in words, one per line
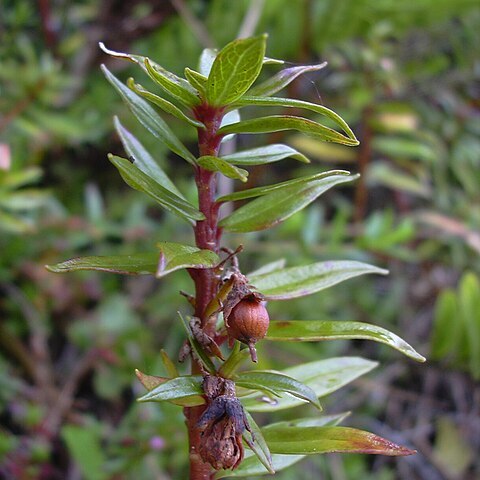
column 404, row 76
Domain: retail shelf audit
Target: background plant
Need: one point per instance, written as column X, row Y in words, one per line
column 432, row 49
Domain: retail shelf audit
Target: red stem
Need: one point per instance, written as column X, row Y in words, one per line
column 207, row 236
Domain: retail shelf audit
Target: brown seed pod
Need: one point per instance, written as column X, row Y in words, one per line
column 248, row 322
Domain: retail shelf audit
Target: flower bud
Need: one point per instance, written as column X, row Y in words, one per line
column 248, row 322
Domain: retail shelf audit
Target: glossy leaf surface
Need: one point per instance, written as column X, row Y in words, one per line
column 296, row 282
column 322, row 376
column 281, row 79
column 175, row 86
column 136, row 264
column 314, row 440
column 263, row 155
column 165, row 105
column 264, row 190
column 278, row 123
column 258, row 444
column 149, row 118
column 138, row 180
column 175, row 389
column 143, row 160
column 216, row 164
column 175, row 256
column 293, row 103
column 277, row 382
column 308, row 331
column 252, row 466
column 196, row 80
column 273, row 208
column 234, row 70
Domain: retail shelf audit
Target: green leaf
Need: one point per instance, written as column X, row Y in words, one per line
column 236, row 358
column 175, row 86
column 200, row 354
column 278, row 205
column 445, row 341
column 165, row 105
column 175, row 256
column 251, row 465
column 281, row 79
column 263, row 155
column 296, row 282
column 23, row 200
column 170, row 367
column 149, row 118
column 278, row 123
column 215, row 164
column 234, row 70
column 293, row 103
column 259, row 191
column 309, row 331
column 143, row 160
column 84, row 445
column 136, row 264
column 13, row 180
column 277, row 382
column 175, row 389
column 258, row 444
column 316, row 440
column 468, row 297
column 138, row 180
column 172, row 84
column 322, row 376
column 196, row 80
column 150, row 382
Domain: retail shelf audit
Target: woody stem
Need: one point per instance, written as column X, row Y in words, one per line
column 207, row 236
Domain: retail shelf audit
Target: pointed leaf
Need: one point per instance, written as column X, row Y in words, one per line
column 172, row 84
column 279, row 382
column 175, row 389
column 316, row 440
column 273, row 208
column 150, row 382
column 277, row 123
column 136, row 264
column 293, row 103
column 175, row 86
column 258, row 444
column 259, row 191
column 143, row 160
column 170, row 367
column 196, row 80
column 138, row 180
column 309, row 331
column 296, row 282
column 281, row 79
column 165, row 105
column 234, row 70
column 263, row 155
column 251, row 465
column 215, row 164
column 322, row 376
column 149, row 118
column 175, row 256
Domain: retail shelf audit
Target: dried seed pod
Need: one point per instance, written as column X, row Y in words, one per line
column 248, row 322
column 222, row 424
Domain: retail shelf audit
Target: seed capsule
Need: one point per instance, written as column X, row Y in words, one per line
column 248, row 322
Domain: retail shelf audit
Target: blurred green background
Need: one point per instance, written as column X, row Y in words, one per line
column 405, row 75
